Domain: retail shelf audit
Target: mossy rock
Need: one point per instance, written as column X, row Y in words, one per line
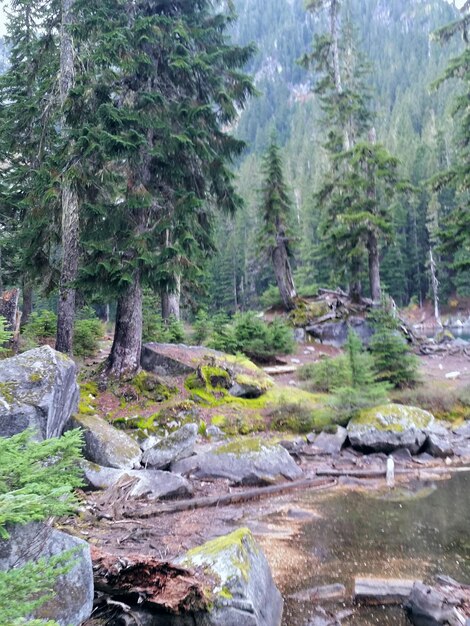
column 393, row 417
column 389, row 427
column 106, row 445
column 246, row 461
column 241, row 588
column 307, row 312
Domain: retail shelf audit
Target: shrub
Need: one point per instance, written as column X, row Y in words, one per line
column 350, row 378
column 326, row 374
column 5, row 335
column 36, row 482
column 393, row 360
column 41, row 325
column 270, row 297
column 202, row 328
column 86, row 336
column 249, row 334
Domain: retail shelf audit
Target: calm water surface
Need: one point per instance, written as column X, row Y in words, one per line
column 406, row 533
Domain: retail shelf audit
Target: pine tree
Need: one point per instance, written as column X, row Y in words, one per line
column 69, row 194
column 29, row 141
column 36, row 482
column 393, row 361
column 456, row 228
column 275, row 237
column 169, row 81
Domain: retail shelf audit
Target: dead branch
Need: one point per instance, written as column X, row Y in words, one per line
column 232, row 498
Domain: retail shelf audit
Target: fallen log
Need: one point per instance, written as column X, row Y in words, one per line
column 140, row 579
column 225, row 500
column 380, row 473
column 382, row 590
column 278, row 370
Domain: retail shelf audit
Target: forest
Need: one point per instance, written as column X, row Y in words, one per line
column 234, row 313
column 162, row 154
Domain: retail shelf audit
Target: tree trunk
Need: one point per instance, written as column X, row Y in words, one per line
column 124, row 359
column 435, row 287
column 27, row 302
column 70, row 210
column 283, row 273
column 171, row 300
column 374, row 267
column 355, row 286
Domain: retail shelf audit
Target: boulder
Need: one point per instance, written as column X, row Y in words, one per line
column 249, row 461
column 106, row 445
column 328, row 443
column 72, row 599
column 151, row 483
column 175, row 447
column 168, row 359
column 434, row 606
column 242, row 587
column 336, row 333
column 463, row 431
column 38, row 389
column 250, row 387
column 439, row 445
column 386, row 428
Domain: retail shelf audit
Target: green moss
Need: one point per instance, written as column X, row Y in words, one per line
column 219, row 420
column 35, row 377
column 306, row 312
column 7, row 391
column 393, row 417
column 215, row 377
column 84, row 408
column 150, row 387
column 225, row 558
column 89, row 389
column 260, row 382
column 241, row 446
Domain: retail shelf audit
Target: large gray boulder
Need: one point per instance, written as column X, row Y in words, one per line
column 106, row 445
column 175, row 447
column 151, row 483
column 38, row 389
column 72, row 600
column 167, row 359
column 328, row 443
column 389, row 427
column 336, row 333
column 249, row 461
column 442, row 605
column 243, row 591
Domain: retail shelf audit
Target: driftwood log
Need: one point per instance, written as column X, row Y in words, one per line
column 225, row 500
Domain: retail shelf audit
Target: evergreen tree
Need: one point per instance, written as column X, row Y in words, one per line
column 393, row 361
column 29, row 141
column 68, row 192
column 36, row 482
column 276, row 208
column 172, row 81
column 456, row 229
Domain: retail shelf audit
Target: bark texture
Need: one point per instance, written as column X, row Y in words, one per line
column 27, row 308
column 171, row 300
column 70, row 205
column 124, row 359
column 283, row 273
column 374, row 266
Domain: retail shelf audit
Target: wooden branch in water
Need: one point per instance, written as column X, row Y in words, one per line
column 231, row 498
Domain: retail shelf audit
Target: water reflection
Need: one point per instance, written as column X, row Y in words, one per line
column 412, row 533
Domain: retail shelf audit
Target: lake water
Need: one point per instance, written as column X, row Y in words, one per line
column 458, row 332
column 413, row 532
